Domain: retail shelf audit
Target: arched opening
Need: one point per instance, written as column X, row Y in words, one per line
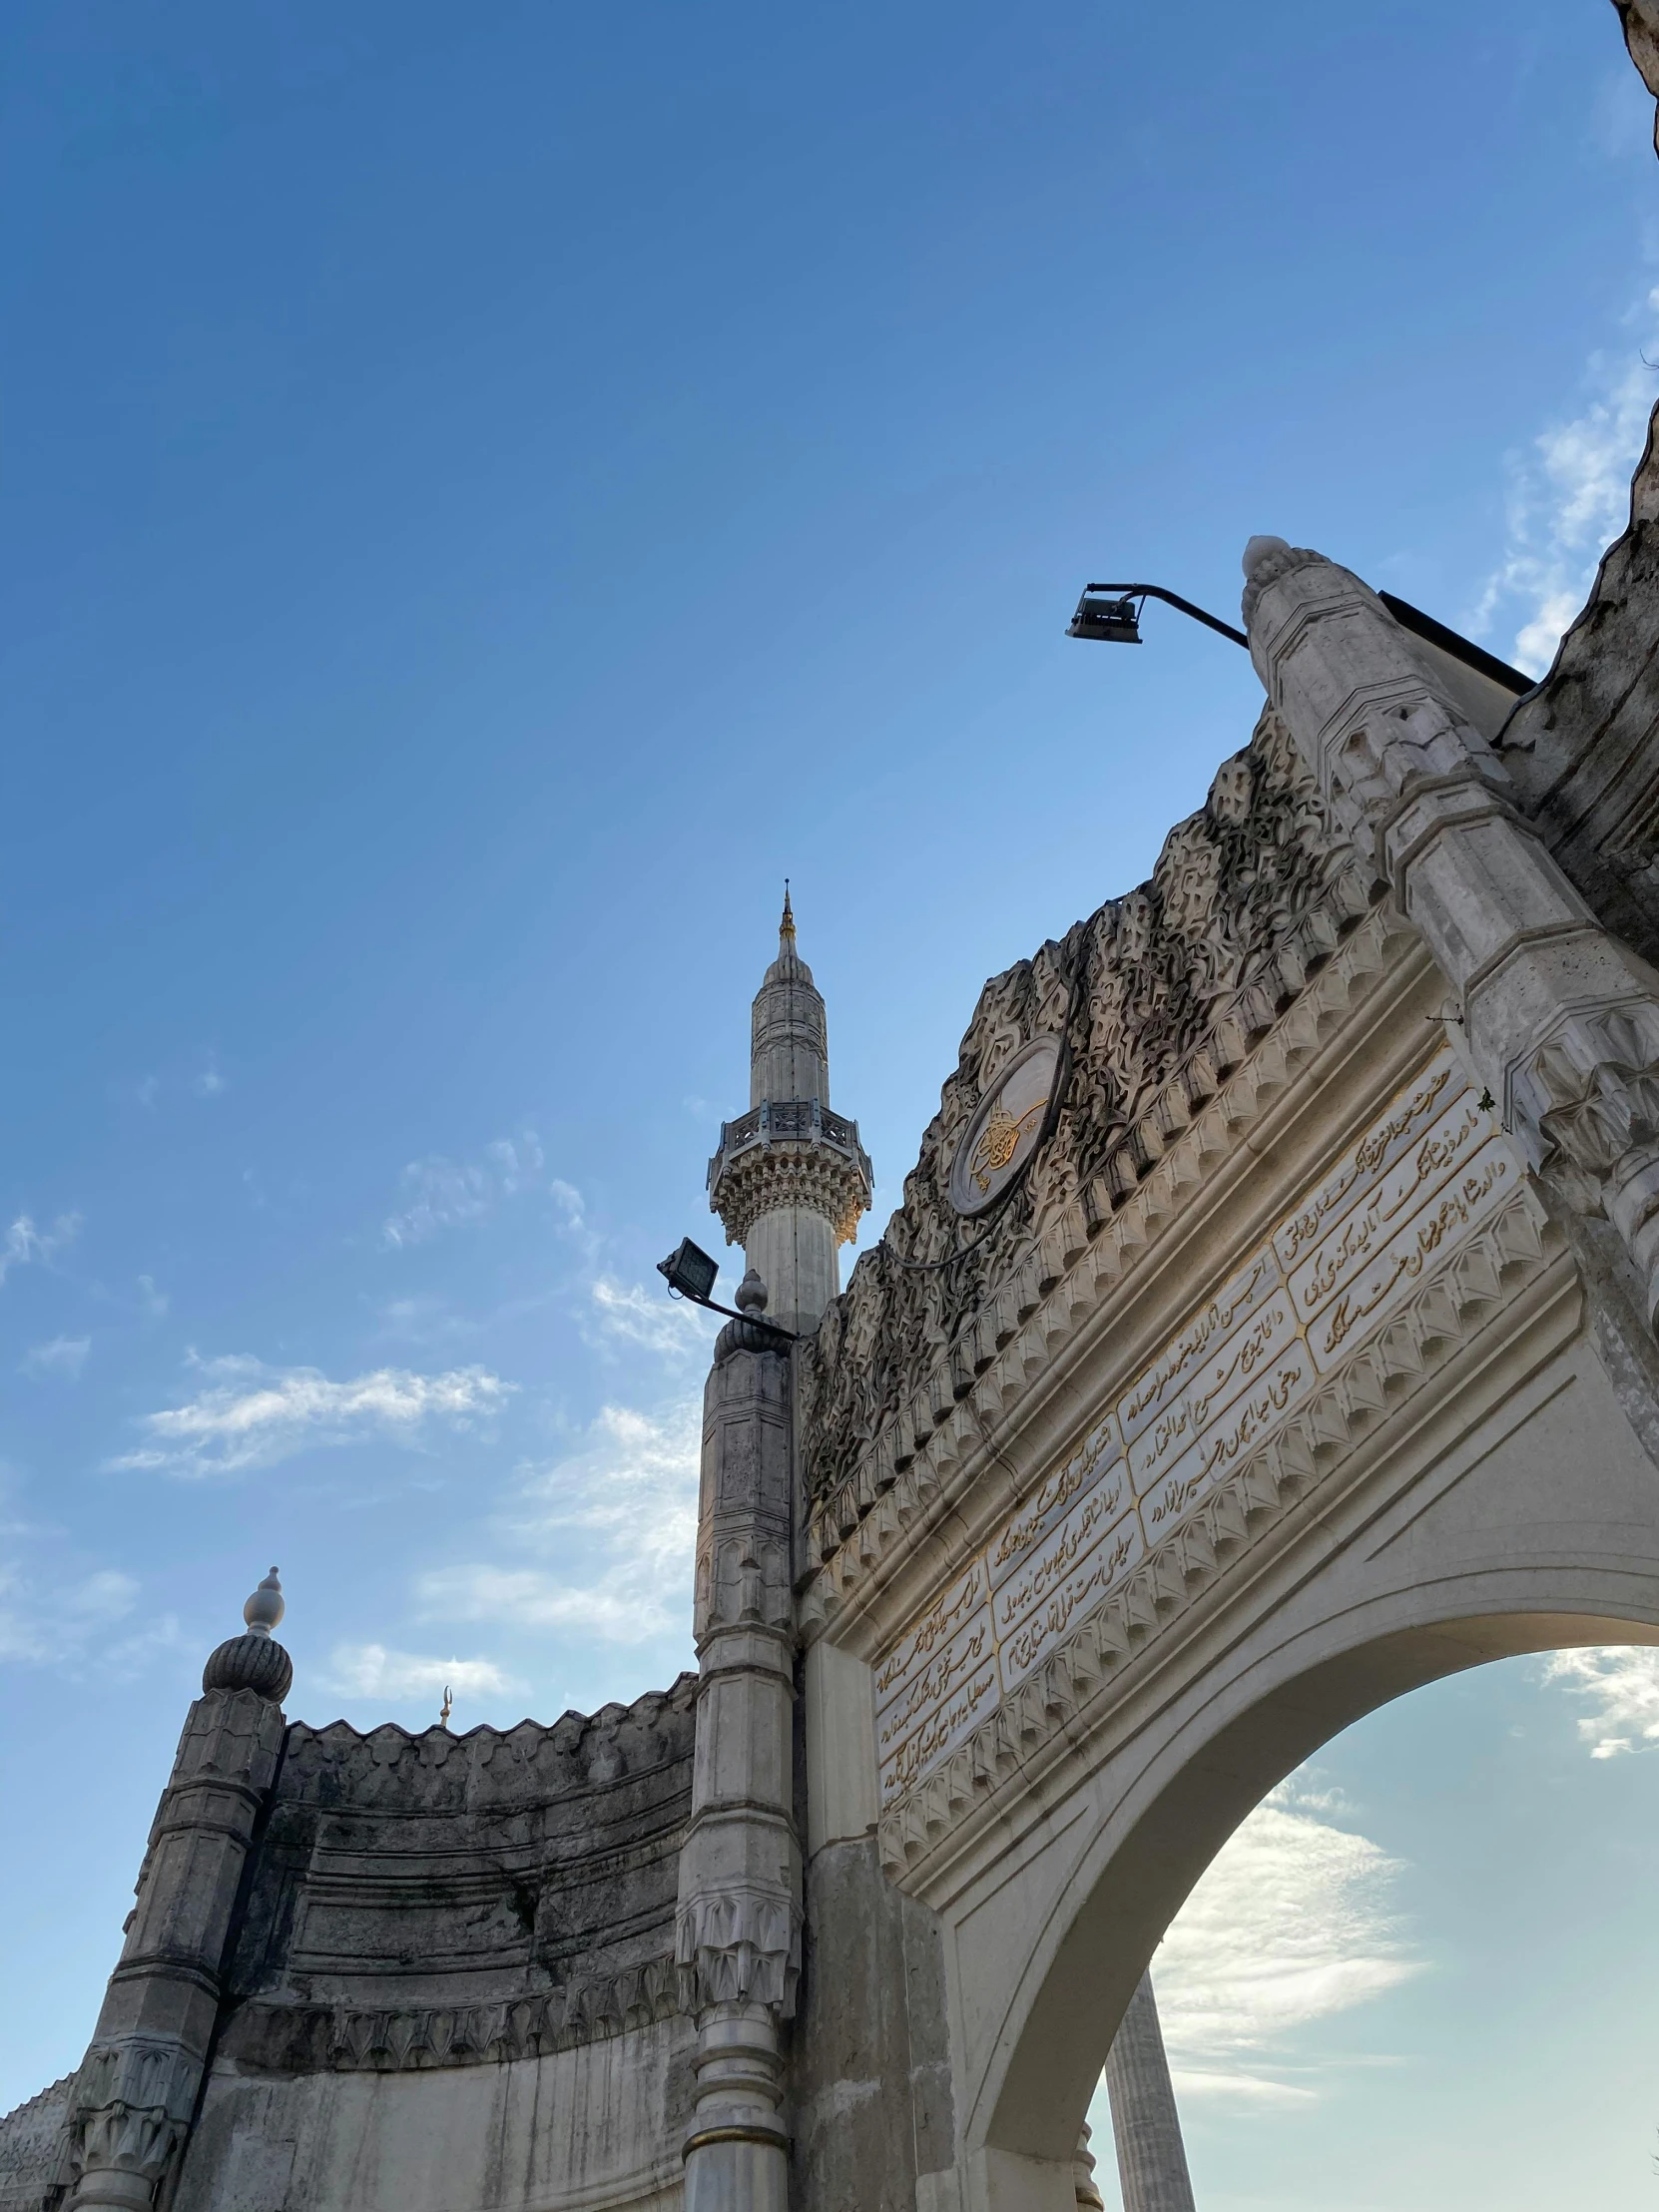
column 1423, row 1971
column 1172, row 1824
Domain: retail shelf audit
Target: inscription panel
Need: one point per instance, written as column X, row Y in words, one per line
column 1407, row 1193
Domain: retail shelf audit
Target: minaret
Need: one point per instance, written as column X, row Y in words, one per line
column 1152, row 2159
column 790, row 1178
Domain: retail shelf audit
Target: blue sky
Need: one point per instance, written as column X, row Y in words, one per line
column 486, row 493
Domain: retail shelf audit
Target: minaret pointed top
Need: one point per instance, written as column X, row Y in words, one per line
column 788, row 966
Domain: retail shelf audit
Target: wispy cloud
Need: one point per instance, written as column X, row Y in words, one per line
column 1569, row 497
column 61, row 1355
column 627, row 1505
column 1621, row 1681
column 440, row 1193
column 252, row 1415
column 26, row 1246
column 628, row 1314
column 370, row 1670
column 1291, row 1923
column 154, row 1302
column 208, row 1082
column 44, row 1623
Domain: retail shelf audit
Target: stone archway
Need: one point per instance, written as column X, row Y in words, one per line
column 1107, row 1918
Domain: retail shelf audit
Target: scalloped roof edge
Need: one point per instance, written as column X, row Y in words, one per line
column 608, row 1716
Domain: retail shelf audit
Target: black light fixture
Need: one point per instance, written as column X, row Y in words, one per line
column 1111, row 612
column 1112, row 621
column 690, row 1271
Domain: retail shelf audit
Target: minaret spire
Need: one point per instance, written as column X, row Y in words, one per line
column 790, row 1179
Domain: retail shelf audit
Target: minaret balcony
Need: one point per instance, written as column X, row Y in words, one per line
column 789, row 1152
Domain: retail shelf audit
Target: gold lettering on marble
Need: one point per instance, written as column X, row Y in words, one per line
column 1369, row 1154
column 1407, row 1191
column 942, row 1620
column 1057, row 1493
column 1216, row 1319
column 934, row 1682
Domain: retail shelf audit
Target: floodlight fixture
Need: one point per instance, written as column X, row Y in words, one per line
column 689, row 1272
column 1111, row 614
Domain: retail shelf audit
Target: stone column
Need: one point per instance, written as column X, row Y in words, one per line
column 1561, row 1020
column 738, row 1926
column 1152, row 2159
column 132, row 2099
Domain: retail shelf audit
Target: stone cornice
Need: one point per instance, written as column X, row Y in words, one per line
column 1062, row 1697
column 304, row 2038
column 919, row 1468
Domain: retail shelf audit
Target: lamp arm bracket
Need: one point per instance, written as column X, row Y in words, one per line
column 1173, row 599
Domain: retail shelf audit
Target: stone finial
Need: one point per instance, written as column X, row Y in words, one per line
column 786, row 928
column 1259, row 549
column 253, row 1660
column 265, row 1608
column 751, row 1294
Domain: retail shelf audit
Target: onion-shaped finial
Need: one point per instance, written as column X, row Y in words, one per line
column 255, row 1660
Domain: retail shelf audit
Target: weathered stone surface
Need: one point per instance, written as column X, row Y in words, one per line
column 30, row 2142
column 431, row 1898
column 870, row 2077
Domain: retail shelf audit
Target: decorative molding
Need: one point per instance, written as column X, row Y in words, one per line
column 298, row 2038
column 435, row 1769
column 789, row 1153
column 1513, row 1247
column 739, row 1945
column 1189, row 1001
column 914, row 1468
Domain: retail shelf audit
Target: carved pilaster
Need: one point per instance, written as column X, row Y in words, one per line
column 1561, row 1019
column 738, row 1926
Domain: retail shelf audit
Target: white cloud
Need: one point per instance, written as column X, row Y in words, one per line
column 370, row 1670
column 631, row 1314
column 26, row 1246
column 627, row 1505
column 251, row 1415
column 61, row 1355
column 47, row 1624
column 444, row 1194
column 1569, row 497
column 1290, row 1923
column 154, row 1302
column 208, row 1084
column 1623, row 1682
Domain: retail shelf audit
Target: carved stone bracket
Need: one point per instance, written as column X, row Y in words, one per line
column 742, row 1947
column 1511, row 1248
column 117, row 2154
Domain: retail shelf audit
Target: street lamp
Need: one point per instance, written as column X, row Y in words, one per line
column 1111, row 614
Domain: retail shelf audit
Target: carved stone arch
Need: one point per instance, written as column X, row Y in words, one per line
column 1103, row 1924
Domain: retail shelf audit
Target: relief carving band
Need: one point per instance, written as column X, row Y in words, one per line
column 1005, row 1131
column 1419, row 1180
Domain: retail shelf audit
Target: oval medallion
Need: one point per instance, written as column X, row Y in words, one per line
column 1005, row 1126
